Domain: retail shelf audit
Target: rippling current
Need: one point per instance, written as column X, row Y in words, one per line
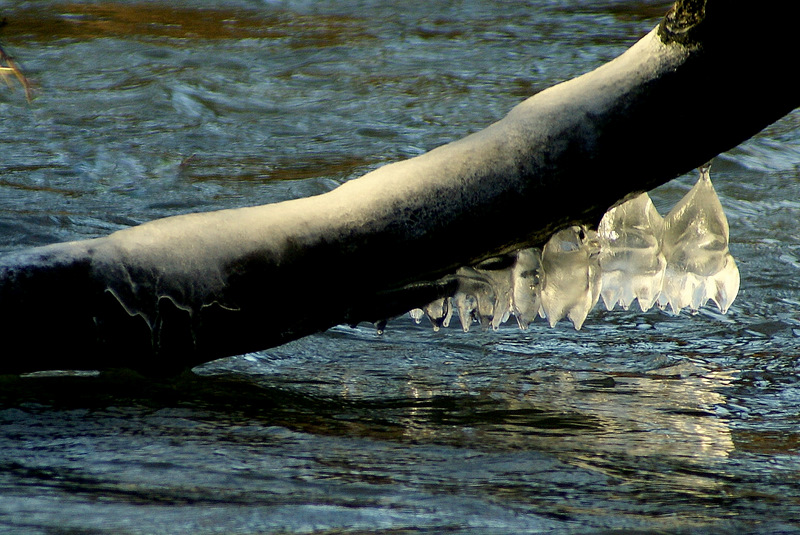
column 643, row 422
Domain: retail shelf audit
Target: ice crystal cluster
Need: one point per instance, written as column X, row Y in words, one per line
column 674, row 262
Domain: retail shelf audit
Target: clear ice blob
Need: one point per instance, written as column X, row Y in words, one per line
column 498, row 288
column 483, row 294
column 466, row 304
column 699, row 264
column 474, row 298
column 527, row 277
column 631, row 257
column 439, row 312
column 499, row 280
column 571, row 275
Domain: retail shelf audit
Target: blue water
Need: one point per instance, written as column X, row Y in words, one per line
column 637, row 422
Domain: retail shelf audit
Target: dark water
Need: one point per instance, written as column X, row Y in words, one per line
column 637, row 422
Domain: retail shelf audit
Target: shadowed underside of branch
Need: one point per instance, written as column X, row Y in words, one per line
column 184, row 290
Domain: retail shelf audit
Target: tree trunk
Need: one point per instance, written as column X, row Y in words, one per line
column 184, row 290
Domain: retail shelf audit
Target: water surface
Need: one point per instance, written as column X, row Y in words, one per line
column 637, row 422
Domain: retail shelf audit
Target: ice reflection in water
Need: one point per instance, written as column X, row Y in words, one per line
column 638, row 424
column 511, row 400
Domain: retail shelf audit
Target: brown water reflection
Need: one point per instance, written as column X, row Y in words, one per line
column 81, row 20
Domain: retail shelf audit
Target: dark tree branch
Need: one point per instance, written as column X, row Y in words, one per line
column 181, row 291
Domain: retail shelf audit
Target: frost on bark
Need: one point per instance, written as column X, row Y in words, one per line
column 181, row 291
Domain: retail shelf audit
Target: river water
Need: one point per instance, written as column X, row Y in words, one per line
column 638, row 422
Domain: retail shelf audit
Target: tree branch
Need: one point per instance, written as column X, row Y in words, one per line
column 184, row 290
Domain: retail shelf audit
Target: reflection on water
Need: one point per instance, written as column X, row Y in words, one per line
column 638, row 422
column 444, row 440
column 656, row 407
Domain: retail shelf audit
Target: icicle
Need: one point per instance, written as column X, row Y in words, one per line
column 499, row 279
column 527, row 278
column 631, row 258
column 466, row 305
column 478, row 295
column 726, row 285
column 699, row 264
column 439, row 312
column 571, row 275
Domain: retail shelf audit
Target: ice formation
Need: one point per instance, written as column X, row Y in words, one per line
column 527, row 276
column 681, row 261
column 572, row 275
column 699, row 265
column 631, row 259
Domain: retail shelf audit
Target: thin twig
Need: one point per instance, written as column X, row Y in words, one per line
column 11, row 68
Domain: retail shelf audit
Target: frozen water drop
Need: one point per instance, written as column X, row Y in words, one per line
column 726, row 285
column 417, row 314
column 475, row 298
column 439, row 312
column 380, row 327
column 490, row 288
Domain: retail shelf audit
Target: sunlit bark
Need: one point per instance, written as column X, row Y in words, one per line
column 184, row 290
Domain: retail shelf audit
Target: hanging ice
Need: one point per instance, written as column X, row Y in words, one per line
column 676, row 262
column 417, row 314
column 571, row 275
column 494, row 290
column 699, row 264
column 466, row 304
column 474, row 299
column 439, row 312
column 631, row 259
column 527, row 277
column 484, row 293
